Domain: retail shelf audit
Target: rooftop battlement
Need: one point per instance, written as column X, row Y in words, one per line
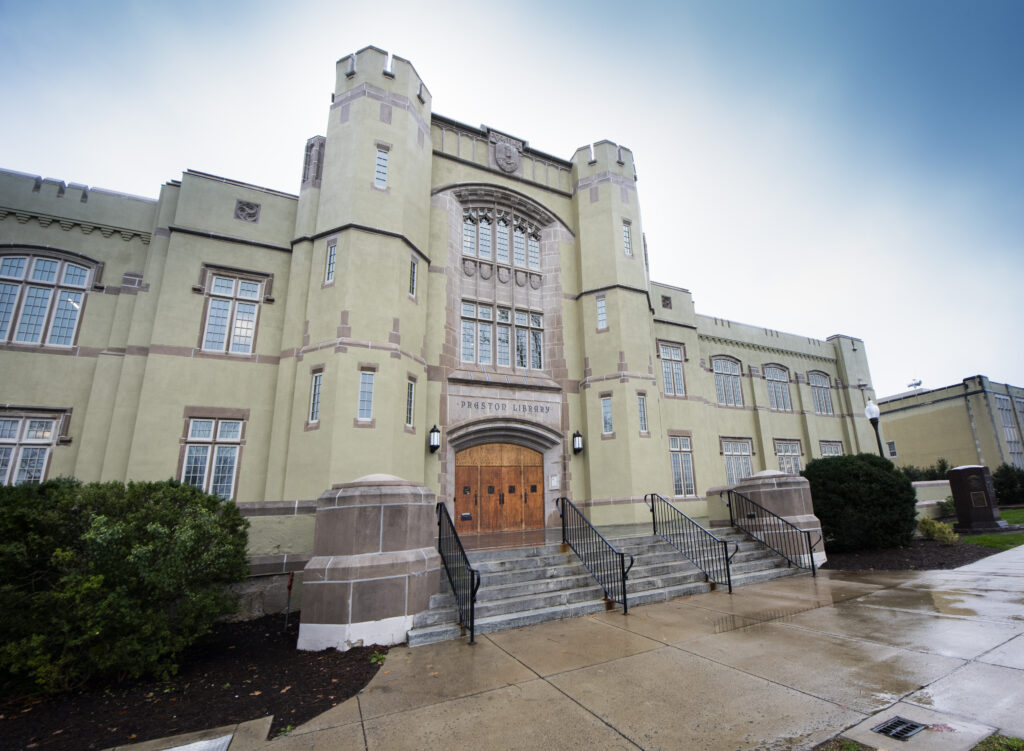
column 370, row 66
column 603, row 156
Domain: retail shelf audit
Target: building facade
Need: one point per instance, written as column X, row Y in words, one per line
column 977, row 421
column 268, row 346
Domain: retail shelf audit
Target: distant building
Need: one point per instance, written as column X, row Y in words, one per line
column 267, row 346
column 977, row 421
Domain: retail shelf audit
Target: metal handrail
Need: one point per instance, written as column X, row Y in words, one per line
column 607, row 564
column 702, row 548
column 463, row 578
column 782, row 536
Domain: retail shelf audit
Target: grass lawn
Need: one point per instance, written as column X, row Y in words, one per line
column 998, row 541
column 1012, row 515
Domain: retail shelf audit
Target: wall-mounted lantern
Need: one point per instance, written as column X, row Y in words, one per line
column 577, row 442
column 434, row 439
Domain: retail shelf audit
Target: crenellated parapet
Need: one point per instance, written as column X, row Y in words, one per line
column 603, row 162
column 367, row 73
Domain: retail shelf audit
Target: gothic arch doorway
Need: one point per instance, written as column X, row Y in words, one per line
column 499, row 487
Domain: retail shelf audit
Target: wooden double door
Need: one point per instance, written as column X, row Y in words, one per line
column 498, row 487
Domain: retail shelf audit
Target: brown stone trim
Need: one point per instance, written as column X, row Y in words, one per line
column 371, row 366
column 680, row 433
column 214, row 413
column 311, row 426
column 228, row 239
column 747, row 438
column 357, row 423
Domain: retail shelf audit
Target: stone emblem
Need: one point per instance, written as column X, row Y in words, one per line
column 507, row 151
column 247, row 211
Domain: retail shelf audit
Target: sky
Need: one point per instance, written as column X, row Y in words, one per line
column 811, row 166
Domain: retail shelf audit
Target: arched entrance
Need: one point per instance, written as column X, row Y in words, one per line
column 499, row 487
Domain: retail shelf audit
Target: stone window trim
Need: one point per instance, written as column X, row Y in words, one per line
column 797, row 441
column 601, row 303
column 789, row 461
column 209, row 275
column 216, row 415
column 645, row 416
column 410, row 379
column 381, row 181
column 369, row 420
column 676, row 387
column 39, row 311
column 680, row 447
column 61, row 419
column 524, row 351
column 728, row 381
column 821, row 392
column 96, row 265
column 330, row 265
column 314, row 370
column 207, row 270
column 506, row 223
column 777, row 379
column 829, row 448
column 606, row 397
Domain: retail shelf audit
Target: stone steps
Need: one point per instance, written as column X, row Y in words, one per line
column 549, row 582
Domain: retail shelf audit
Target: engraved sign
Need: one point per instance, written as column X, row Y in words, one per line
column 978, row 499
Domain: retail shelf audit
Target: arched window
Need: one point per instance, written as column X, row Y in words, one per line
column 778, row 388
column 727, row 381
column 821, row 393
column 41, row 298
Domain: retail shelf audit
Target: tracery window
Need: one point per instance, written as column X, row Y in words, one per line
column 481, row 234
column 778, row 388
column 41, row 299
column 727, row 381
column 504, row 336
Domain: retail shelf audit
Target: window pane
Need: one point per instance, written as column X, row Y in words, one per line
column 412, row 278
column 365, row 395
column 536, row 321
column 484, row 234
column 224, row 471
column 8, row 299
column 677, row 473
column 69, row 303
column 332, row 252
column 606, row 415
column 534, row 250
column 410, row 398
column 9, row 429
column 627, row 240
column 13, row 266
column 245, row 326
column 5, row 462
column 519, row 247
column 217, row 324
column 201, row 429
column 75, row 275
column 521, row 355
column 44, row 270
column 520, row 318
column 504, row 334
column 33, row 315
column 469, row 310
column 502, row 237
column 468, row 237
column 485, row 343
column 468, row 342
column 484, row 313
column 39, row 430
column 229, row 430
column 380, row 175
column 31, row 465
column 536, row 349
column 602, row 315
column 642, row 411
column 666, row 373
column 249, row 290
column 504, row 315
column 194, row 472
column 223, row 286
column 314, row 398
column 677, row 371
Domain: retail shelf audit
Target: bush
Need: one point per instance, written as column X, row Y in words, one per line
column 111, row 580
column 936, row 471
column 1009, row 485
column 933, row 530
column 862, row 501
column 946, row 507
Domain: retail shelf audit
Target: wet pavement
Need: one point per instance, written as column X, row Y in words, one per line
column 785, row 664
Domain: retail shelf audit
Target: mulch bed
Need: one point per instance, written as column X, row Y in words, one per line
column 240, row 672
column 918, row 555
column 244, row 671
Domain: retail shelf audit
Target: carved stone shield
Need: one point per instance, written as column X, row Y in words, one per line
column 507, row 156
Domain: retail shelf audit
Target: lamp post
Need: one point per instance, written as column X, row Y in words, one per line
column 872, row 412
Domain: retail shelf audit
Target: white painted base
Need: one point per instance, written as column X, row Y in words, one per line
column 820, row 558
column 314, row 637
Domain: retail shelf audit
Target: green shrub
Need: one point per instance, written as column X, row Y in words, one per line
column 113, row 581
column 863, row 502
column 1009, row 485
column 934, row 530
column 936, row 471
column 946, row 507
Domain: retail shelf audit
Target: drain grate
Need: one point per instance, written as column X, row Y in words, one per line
column 899, row 728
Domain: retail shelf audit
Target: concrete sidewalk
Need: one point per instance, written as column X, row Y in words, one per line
column 785, row 664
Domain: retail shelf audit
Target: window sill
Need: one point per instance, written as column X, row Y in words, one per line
column 645, row 434
column 608, row 436
column 311, row 426
column 357, row 423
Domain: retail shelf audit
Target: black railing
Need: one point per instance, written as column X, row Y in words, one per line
column 600, row 557
column 463, row 578
column 784, row 537
column 705, row 551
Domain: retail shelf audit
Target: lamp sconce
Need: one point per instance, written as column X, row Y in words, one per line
column 434, row 439
column 577, row 442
